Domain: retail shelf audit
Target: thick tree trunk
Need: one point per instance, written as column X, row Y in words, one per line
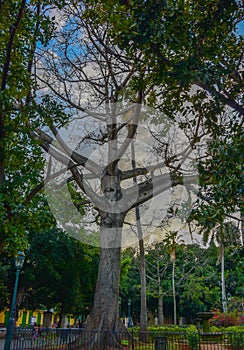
column 105, row 315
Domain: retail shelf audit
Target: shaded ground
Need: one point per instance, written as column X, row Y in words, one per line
column 82, row 340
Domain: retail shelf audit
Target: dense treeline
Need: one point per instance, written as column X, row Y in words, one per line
column 60, row 272
column 197, row 281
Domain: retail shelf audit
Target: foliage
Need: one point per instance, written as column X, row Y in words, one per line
column 179, row 56
column 24, row 25
column 237, row 341
column 229, row 319
column 193, row 340
column 222, row 319
column 125, row 266
column 24, row 215
column 60, row 271
column 3, row 288
column 241, row 320
column 175, row 43
column 197, row 279
column 173, row 328
column 224, row 170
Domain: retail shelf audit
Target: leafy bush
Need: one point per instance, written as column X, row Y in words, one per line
column 193, row 340
column 237, row 340
column 222, row 320
column 230, row 329
column 241, row 320
column 173, row 328
column 172, row 332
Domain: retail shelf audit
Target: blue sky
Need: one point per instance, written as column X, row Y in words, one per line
column 240, row 28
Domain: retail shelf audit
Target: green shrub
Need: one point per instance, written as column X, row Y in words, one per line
column 227, row 329
column 237, row 340
column 173, row 328
column 193, row 340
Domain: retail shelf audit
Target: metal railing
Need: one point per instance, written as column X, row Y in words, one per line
column 74, row 338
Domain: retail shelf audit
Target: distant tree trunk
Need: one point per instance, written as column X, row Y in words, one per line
column 160, row 299
column 242, row 229
column 172, row 259
column 173, row 289
column 61, row 315
column 143, row 308
column 224, row 301
column 160, row 309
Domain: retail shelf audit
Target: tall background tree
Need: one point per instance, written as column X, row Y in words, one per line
column 225, row 235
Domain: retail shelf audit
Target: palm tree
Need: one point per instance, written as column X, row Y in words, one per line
column 226, row 234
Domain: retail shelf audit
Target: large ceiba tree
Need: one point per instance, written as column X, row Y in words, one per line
column 81, row 66
column 89, row 65
column 101, row 68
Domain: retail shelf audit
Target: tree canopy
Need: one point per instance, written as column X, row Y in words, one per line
column 23, row 25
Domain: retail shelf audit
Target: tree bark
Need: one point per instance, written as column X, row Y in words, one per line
column 104, row 315
column 242, row 229
column 160, row 298
column 224, row 301
column 143, row 306
column 173, row 288
column 61, row 315
column 160, row 308
column 143, row 311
